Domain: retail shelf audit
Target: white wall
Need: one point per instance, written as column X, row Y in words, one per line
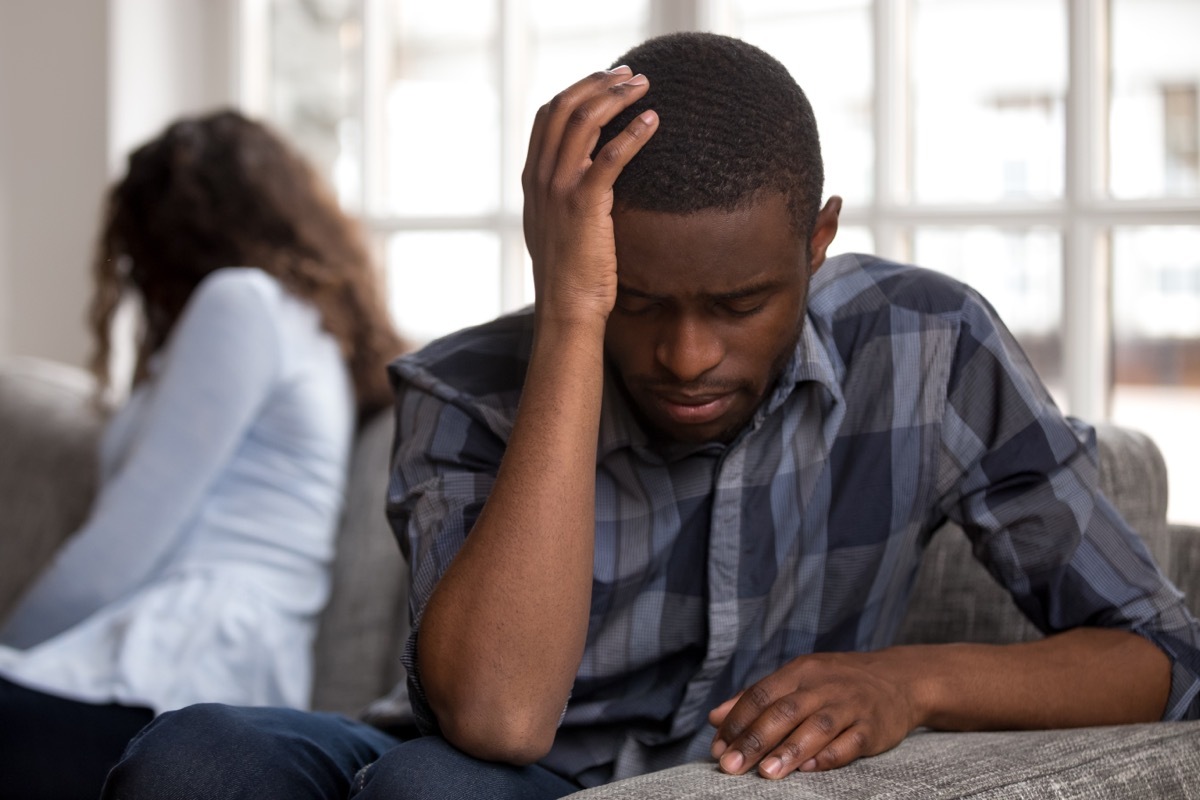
column 171, row 57
column 53, row 168
column 81, row 83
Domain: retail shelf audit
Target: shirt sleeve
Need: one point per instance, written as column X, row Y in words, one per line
column 217, row 370
column 444, row 465
column 1022, row 481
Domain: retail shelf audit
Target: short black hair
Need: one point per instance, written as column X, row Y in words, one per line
column 733, row 124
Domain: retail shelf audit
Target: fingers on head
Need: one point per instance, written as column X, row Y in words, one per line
column 547, row 123
column 619, row 151
column 582, row 89
column 574, row 118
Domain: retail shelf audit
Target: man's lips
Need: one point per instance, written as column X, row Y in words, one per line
column 694, row 409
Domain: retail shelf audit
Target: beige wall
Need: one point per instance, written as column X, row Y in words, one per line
column 82, row 82
column 53, row 168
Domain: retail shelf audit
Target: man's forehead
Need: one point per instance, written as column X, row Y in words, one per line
column 718, row 251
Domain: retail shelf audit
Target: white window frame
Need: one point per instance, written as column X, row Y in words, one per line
column 1084, row 216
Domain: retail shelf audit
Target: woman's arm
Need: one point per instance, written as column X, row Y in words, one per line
column 217, row 371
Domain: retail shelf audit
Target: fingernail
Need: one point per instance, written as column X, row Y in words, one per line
column 636, row 80
column 621, row 70
column 772, row 766
column 718, row 747
column 732, row 761
column 809, row 766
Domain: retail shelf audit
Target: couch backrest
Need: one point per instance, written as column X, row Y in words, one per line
column 49, row 428
column 365, row 624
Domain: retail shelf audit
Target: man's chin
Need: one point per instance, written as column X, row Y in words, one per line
column 719, row 431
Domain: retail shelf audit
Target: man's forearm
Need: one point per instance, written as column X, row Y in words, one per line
column 503, row 634
column 824, row 710
column 1087, row 676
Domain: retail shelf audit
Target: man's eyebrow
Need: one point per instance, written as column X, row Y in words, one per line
column 749, row 291
column 623, row 289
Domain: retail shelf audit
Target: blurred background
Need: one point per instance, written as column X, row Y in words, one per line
column 1045, row 151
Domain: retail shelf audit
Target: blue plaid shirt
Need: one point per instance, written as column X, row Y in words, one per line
column 907, row 404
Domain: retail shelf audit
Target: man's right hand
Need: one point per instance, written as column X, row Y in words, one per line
column 569, row 196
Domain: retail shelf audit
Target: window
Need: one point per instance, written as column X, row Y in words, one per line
column 1045, row 151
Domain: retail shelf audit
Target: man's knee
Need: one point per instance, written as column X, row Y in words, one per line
column 430, row 768
column 206, row 751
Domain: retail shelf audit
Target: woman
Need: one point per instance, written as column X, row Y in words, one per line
column 201, row 569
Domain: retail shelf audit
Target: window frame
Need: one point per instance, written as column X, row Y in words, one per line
column 1084, row 216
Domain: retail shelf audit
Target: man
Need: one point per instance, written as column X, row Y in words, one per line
column 675, row 511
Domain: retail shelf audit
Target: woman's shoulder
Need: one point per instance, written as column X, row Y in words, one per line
column 263, row 313
column 238, row 307
column 250, row 297
column 238, row 285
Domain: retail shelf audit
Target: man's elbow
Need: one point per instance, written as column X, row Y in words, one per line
column 508, row 736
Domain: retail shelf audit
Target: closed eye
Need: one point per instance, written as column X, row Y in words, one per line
column 744, row 306
column 634, row 305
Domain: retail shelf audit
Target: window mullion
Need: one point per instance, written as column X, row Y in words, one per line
column 892, row 134
column 512, row 70
column 668, row 16
column 1087, row 328
column 373, row 102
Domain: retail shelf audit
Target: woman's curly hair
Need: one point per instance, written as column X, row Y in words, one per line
column 222, row 190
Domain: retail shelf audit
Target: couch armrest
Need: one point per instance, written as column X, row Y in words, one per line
column 1155, row 761
column 50, row 429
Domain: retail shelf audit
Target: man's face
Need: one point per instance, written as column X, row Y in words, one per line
column 709, row 308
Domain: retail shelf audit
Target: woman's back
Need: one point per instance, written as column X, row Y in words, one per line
column 205, row 559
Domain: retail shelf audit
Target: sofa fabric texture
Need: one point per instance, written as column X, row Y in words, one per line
column 1138, row 761
column 49, row 428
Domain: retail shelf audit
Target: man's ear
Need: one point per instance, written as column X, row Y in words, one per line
column 824, row 229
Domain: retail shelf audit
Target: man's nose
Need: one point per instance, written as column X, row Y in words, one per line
column 688, row 348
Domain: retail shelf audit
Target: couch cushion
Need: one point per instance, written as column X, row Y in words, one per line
column 50, row 427
column 1159, row 760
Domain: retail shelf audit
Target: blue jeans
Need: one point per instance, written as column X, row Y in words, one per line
column 216, row 752
column 52, row 747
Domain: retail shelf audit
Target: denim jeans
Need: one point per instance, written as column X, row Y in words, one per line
column 53, row 748
column 216, row 752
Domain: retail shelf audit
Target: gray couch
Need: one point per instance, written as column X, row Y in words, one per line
column 48, row 430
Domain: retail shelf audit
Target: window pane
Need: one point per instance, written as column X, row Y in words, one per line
column 1020, row 274
column 988, row 87
column 567, row 41
column 1155, row 106
column 852, row 239
column 441, row 281
column 1156, row 310
column 441, row 143
column 810, row 39
column 315, row 86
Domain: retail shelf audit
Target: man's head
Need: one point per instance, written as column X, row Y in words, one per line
column 734, row 125
column 718, row 226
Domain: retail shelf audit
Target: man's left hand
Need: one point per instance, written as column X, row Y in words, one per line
column 817, row 712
